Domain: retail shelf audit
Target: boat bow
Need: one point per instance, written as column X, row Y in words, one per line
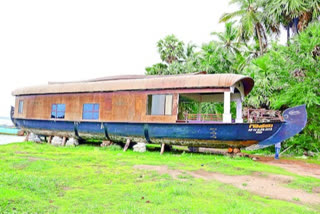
column 295, row 120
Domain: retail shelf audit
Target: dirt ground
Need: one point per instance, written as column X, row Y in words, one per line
column 272, row 186
column 294, row 166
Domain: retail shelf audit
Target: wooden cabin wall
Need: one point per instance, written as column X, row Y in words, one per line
column 114, row 107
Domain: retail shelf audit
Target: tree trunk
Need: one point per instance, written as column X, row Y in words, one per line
column 263, row 33
column 295, row 25
column 260, row 39
column 304, row 20
column 288, row 34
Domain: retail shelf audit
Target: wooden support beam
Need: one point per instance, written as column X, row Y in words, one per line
column 64, row 140
column 106, row 143
column 50, row 139
column 230, row 150
column 193, row 149
column 162, row 148
column 127, row 145
column 27, row 137
column 236, row 150
column 287, row 149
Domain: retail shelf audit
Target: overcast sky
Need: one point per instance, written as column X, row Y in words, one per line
column 43, row 41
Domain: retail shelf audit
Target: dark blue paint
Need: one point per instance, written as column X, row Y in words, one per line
column 295, row 120
column 58, row 125
column 225, row 132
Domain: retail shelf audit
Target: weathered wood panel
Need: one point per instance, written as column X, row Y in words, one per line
column 114, row 106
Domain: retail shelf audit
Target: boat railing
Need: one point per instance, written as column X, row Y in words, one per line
column 262, row 115
column 249, row 116
column 203, row 117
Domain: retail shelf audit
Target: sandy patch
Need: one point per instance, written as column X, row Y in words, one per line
column 294, row 166
column 269, row 186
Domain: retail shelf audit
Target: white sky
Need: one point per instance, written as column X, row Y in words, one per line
column 65, row 40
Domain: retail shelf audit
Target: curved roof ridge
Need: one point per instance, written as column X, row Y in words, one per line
column 123, row 77
column 147, row 83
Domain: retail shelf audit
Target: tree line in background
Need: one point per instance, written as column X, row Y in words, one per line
column 284, row 75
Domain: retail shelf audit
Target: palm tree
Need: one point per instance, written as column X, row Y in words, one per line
column 229, row 38
column 171, row 49
column 250, row 23
column 294, row 15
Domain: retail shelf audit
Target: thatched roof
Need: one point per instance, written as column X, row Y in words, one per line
column 141, row 82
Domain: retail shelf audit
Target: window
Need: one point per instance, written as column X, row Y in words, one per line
column 90, row 111
column 58, row 111
column 159, row 104
column 168, row 107
column 20, row 109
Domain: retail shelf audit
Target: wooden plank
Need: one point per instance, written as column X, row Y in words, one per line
column 64, row 140
column 236, row 150
column 230, row 150
column 27, row 137
column 286, row 149
column 162, row 148
column 113, row 107
column 127, row 145
column 50, row 139
column 106, row 143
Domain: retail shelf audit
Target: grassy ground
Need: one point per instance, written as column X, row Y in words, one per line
column 40, row 178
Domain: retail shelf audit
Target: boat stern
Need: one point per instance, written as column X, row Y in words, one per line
column 12, row 116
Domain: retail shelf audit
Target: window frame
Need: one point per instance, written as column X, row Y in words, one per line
column 56, row 111
column 93, row 111
column 149, row 108
column 20, row 107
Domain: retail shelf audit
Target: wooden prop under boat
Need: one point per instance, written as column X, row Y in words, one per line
column 205, row 134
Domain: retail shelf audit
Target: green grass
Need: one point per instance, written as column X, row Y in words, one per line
column 40, row 178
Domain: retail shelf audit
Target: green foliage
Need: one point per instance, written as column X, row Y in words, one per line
column 216, row 59
column 171, row 49
column 229, row 38
column 227, row 55
column 294, row 15
column 267, row 79
column 251, row 20
column 285, row 8
column 176, row 58
column 289, row 76
column 157, row 69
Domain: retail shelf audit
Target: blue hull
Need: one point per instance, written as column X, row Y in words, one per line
column 211, row 135
column 206, row 135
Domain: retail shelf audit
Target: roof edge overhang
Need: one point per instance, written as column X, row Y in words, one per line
column 248, row 84
column 201, row 81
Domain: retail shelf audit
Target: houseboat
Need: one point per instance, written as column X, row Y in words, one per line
column 149, row 109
